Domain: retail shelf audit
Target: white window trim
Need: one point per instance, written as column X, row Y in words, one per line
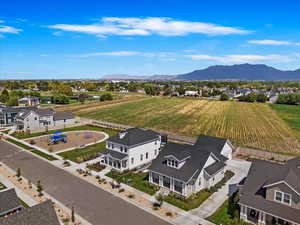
column 282, row 199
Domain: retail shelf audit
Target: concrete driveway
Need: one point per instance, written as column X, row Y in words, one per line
column 240, row 168
column 92, row 203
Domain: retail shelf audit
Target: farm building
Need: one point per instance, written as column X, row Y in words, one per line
column 131, row 148
column 187, row 169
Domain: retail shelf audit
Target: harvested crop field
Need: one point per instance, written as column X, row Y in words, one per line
column 91, row 106
column 247, row 124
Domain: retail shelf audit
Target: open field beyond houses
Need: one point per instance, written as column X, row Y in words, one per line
column 248, row 124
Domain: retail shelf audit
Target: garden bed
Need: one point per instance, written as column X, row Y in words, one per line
column 96, row 167
column 136, row 180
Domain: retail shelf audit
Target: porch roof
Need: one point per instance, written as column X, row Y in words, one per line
column 114, row 154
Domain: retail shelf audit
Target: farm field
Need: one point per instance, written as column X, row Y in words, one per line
column 87, row 106
column 245, row 124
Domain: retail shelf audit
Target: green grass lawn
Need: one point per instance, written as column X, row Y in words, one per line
column 19, row 144
column 89, row 152
column 137, row 180
column 221, row 216
column 2, row 187
column 192, row 202
column 290, row 114
column 85, row 127
column 23, row 203
column 44, row 155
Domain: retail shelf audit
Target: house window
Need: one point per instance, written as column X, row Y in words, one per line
column 132, row 160
column 141, row 157
column 283, row 197
column 155, row 143
column 112, row 146
column 155, row 152
column 121, row 149
column 35, row 118
column 147, row 155
column 125, row 149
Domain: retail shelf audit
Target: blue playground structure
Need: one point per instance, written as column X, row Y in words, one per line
column 57, row 137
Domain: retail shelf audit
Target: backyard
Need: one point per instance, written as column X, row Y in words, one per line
column 253, row 125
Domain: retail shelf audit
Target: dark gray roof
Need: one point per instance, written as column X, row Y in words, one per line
column 9, row 109
column 9, row 201
column 264, row 173
column 40, row 214
column 198, row 156
column 45, row 112
column 23, row 113
column 134, row 136
column 63, row 116
column 214, row 168
column 114, row 154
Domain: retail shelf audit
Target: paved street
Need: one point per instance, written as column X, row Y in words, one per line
column 93, row 204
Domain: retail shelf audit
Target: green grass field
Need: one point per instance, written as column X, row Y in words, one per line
column 290, row 114
column 245, row 124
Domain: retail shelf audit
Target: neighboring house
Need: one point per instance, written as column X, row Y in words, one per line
column 131, row 148
column 8, row 114
column 186, row 169
column 40, row 214
column 9, row 203
column 34, row 119
column 271, row 193
column 191, row 93
column 29, row 101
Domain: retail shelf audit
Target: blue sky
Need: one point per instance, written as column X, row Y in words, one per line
column 89, row 39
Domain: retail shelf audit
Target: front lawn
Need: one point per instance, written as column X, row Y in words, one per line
column 96, row 167
column 195, row 200
column 136, row 180
column 228, row 213
column 83, row 154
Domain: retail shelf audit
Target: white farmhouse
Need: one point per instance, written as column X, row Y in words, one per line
column 36, row 119
column 186, row 169
column 131, row 148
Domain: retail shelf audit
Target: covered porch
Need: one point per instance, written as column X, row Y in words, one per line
column 116, row 160
column 171, row 184
column 256, row 216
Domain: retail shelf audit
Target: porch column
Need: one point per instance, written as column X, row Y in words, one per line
column 160, row 180
column 150, row 177
column 261, row 218
column 243, row 213
column 171, row 184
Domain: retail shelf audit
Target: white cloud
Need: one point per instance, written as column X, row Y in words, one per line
column 272, row 42
column 44, row 55
column 9, row 29
column 148, row 26
column 127, row 53
column 242, row 58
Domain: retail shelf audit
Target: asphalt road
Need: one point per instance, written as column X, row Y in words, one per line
column 93, row 204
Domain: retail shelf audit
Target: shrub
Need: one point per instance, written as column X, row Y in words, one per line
column 32, row 142
column 121, row 190
column 169, row 214
column 131, row 196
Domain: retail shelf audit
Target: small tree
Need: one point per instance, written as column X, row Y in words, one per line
column 224, row 97
column 159, row 198
column 18, row 173
column 40, row 188
column 73, row 215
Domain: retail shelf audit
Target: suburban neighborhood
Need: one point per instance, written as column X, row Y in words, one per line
column 149, row 112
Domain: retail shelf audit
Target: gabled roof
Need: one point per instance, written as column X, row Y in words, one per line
column 9, row 201
column 40, row 214
column 63, row 116
column 214, row 168
column 196, row 157
column 134, row 136
column 22, row 114
column 263, row 174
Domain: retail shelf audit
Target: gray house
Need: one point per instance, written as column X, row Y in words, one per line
column 8, row 114
column 271, row 193
column 36, row 119
column 41, row 214
column 186, row 169
column 9, row 203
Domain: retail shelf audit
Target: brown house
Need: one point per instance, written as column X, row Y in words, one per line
column 271, row 193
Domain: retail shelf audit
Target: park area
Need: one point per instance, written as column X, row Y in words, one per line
column 67, row 140
column 253, row 125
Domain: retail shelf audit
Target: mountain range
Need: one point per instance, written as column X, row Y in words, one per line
column 224, row 72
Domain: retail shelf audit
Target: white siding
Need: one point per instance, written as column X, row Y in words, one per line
column 227, row 151
column 64, row 122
